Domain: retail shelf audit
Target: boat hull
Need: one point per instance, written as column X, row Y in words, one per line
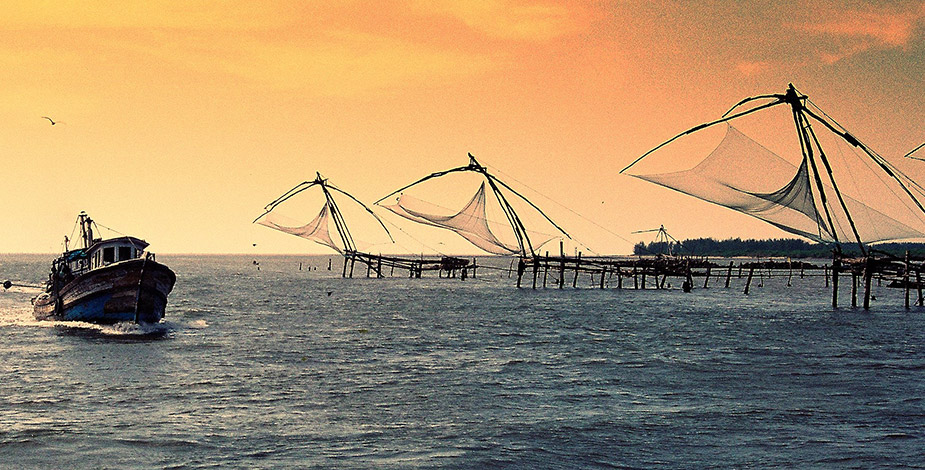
column 129, row 291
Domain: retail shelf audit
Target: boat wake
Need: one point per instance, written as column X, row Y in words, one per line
column 127, row 331
column 22, row 316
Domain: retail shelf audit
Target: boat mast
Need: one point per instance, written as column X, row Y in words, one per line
column 86, row 228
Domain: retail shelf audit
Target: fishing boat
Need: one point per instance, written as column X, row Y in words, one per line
column 105, row 281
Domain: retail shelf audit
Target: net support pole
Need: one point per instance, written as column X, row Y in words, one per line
column 729, row 274
column 545, row 269
column 918, row 285
column 906, row 280
column 868, row 274
column 854, row 289
column 561, row 265
column 836, row 266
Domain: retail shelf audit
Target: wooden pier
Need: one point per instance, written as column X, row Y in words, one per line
column 445, row 266
column 688, row 273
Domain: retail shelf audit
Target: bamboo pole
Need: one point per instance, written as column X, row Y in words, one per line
column 906, row 280
column 854, row 289
column 545, row 269
column 836, row 265
column 561, row 264
column 918, row 285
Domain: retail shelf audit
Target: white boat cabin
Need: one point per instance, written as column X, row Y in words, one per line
column 104, row 252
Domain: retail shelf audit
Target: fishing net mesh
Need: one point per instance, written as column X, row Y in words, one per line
column 318, row 230
column 480, row 222
column 743, row 175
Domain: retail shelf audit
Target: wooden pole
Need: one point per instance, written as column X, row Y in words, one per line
column 619, row 277
column 906, row 279
column 577, row 268
column 545, row 269
column 790, row 276
column 748, row 282
column 854, row 289
column 825, row 270
column 561, row 265
column 603, row 276
column 728, row 274
column 635, row 277
column 706, row 280
column 868, row 274
column 836, row 265
column 521, row 267
column 536, row 269
column 918, row 285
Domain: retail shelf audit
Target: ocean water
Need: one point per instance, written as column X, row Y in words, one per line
column 288, row 368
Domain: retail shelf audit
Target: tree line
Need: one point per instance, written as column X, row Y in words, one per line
column 773, row 247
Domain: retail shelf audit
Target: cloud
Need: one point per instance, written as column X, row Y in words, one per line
column 855, row 32
column 753, row 68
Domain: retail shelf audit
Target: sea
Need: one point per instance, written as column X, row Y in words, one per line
column 276, row 362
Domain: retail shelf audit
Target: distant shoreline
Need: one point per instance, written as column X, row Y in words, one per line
column 767, row 248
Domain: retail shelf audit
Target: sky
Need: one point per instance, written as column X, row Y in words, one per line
column 178, row 121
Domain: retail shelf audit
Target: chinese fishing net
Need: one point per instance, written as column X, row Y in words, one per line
column 481, row 220
column 334, row 225
column 798, row 194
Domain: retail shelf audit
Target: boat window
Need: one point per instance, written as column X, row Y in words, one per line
column 109, row 254
column 125, row 252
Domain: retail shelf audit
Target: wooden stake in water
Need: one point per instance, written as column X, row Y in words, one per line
column 906, row 279
column 836, row 265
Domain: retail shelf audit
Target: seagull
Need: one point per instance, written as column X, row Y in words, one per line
column 49, row 120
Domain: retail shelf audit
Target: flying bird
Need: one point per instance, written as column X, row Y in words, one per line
column 49, row 120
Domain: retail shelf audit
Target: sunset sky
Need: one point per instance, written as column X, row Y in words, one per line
column 180, row 120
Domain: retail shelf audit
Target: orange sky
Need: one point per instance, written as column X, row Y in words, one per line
column 181, row 120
